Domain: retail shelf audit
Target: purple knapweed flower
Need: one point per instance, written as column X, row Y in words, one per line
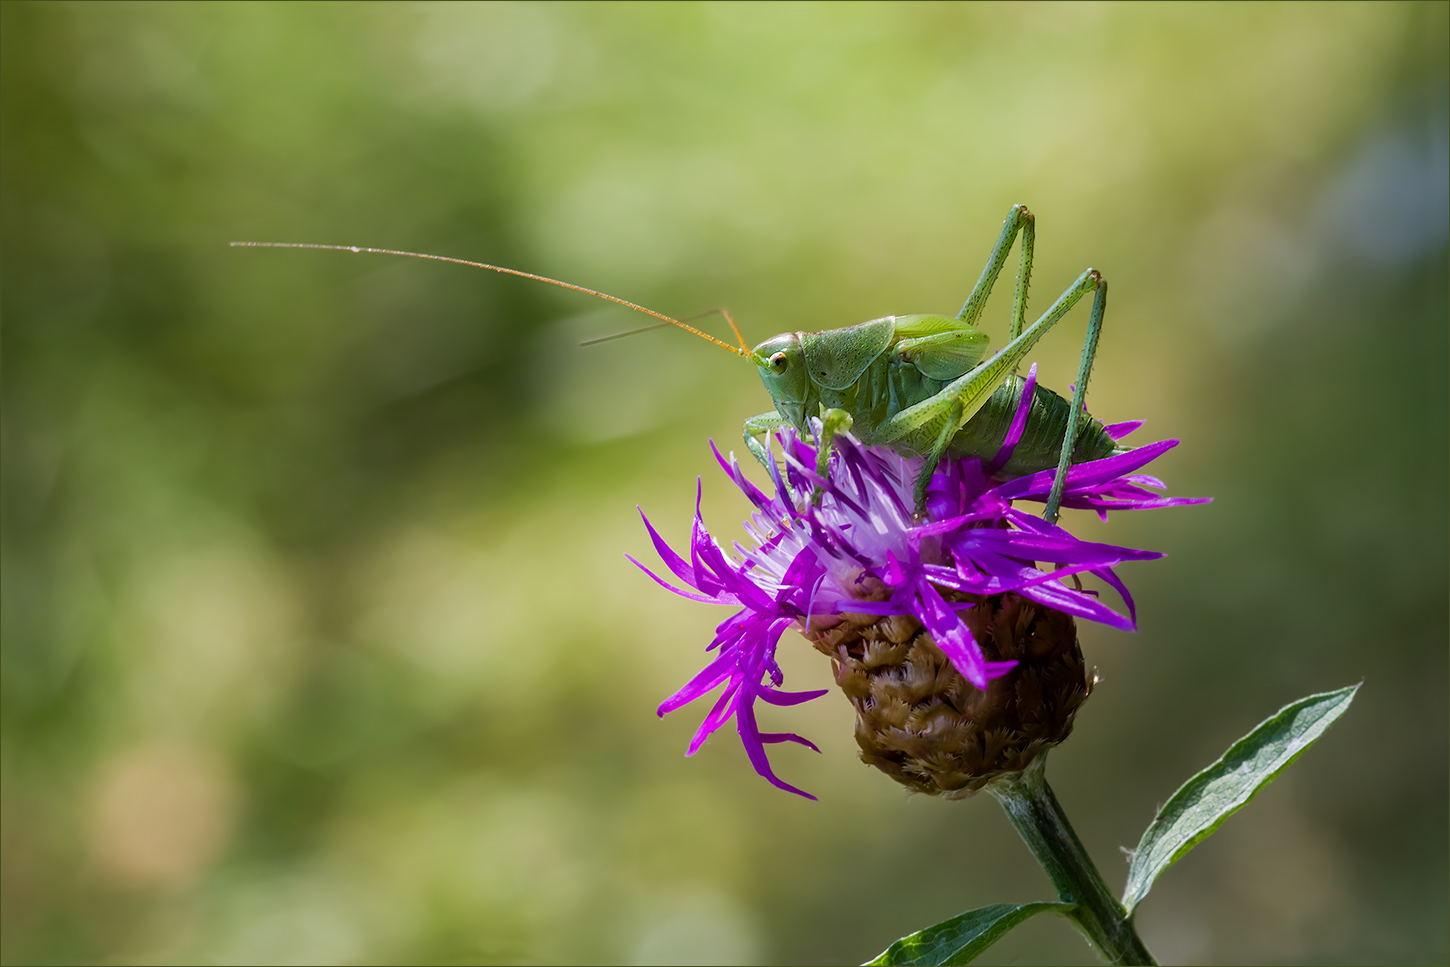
column 858, row 550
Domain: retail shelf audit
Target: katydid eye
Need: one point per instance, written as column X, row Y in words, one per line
column 778, row 363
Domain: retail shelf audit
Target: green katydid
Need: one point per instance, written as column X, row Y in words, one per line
column 922, row 385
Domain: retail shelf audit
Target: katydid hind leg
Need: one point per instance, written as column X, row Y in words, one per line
column 949, row 429
column 973, row 389
column 1024, row 277
column 833, row 421
column 1079, row 394
column 1018, row 219
column 960, row 400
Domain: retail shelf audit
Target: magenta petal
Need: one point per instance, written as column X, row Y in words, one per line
column 894, row 573
column 996, row 669
column 1019, row 423
column 755, row 750
column 1084, row 476
column 868, row 607
column 704, row 681
column 951, row 635
column 1119, row 430
column 732, row 469
column 673, row 561
column 1111, row 577
column 1059, row 598
column 770, row 737
column 1042, row 547
column 718, row 716
column 703, row 598
column 775, row 696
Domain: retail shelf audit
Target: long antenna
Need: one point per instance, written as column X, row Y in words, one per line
column 499, row 268
column 620, row 335
column 660, row 325
column 728, row 318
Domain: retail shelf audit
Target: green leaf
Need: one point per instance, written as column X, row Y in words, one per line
column 1202, row 804
column 958, row 940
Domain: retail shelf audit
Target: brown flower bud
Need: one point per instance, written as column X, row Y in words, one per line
column 920, row 722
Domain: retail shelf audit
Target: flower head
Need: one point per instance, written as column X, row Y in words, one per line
column 857, row 552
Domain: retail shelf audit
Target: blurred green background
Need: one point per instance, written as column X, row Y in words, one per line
column 319, row 644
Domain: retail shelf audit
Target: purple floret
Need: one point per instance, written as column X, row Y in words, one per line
column 859, row 550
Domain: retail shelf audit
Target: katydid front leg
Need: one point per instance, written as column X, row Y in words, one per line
column 760, row 426
column 833, row 421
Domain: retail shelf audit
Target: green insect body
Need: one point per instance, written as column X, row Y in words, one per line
column 922, row 385
column 893, row 380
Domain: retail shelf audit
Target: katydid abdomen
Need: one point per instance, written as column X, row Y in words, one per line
column 1041, row 444
column 884, row 390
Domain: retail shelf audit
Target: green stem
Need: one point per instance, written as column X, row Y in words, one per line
column 1040, row 821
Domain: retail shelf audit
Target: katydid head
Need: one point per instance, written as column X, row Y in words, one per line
column 781, row 362
column 796, row 366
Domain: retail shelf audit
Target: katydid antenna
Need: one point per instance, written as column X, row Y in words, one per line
column 665, row 320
